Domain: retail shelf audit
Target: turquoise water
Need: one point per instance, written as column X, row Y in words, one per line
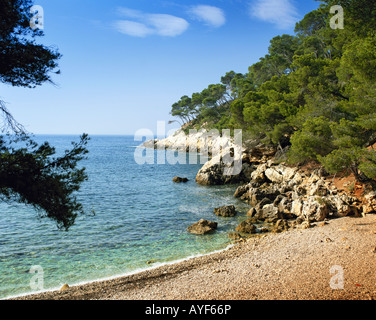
column 140, row 216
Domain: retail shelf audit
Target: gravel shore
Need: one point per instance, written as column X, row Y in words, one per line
column 294, row 265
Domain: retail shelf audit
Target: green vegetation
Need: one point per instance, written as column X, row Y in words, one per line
column 314, row 92
column 31, row 173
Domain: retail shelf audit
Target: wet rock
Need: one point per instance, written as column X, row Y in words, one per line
column 203, row 227
column 225, row 211
column 246, row 227
column 179, row 180
column 235, row 236
column 64, row 287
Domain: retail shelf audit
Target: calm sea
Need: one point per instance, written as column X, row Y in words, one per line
column 141, row 216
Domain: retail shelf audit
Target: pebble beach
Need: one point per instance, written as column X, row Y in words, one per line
column 334, row 260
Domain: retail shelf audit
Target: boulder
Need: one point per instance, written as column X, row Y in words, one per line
column 342, row 205
column 179, row 180
column 268, row 212
column 296, row 207
column 225, row 211
column 316, row 209
column 258, row 175
column 318, row 189
column 270, row 191
column 218, row 172
column 273, row 175
column 246, row 227
column 203, row 227
column 240, row 191
column 369, row 204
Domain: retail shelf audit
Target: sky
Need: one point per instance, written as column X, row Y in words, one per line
column 125, row 62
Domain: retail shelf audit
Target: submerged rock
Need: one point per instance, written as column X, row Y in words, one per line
column 203, row 227
column 179, row 180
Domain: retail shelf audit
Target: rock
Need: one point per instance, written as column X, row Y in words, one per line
column 270, row 191
column 258, row 175
column 251, row 212
column 315, row 209
column 240, row 191
column 64, row 287
column 262, row 203
column 305, row 225
column 203, row 227
column 194, row 141
column 296, row 207
column 246, row 227
column 150, row 143
column 235, row 236
column 280, row 226
column 217, row 172
column 284, row 207
column 179, row 180
column 318, row 189
column 225, row 211
column 342, row 205
column 369, row 205
column 268, row 212
column 273, row 175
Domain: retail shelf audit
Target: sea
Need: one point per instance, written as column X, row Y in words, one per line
column 135, row 218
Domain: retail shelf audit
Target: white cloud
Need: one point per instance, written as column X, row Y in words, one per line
column 167, row 25
column 282, row 13
column 150, row 24
column 212, row 16
column 133, row 28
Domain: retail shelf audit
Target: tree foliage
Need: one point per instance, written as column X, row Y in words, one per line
column 32, row 173
column 313, row 91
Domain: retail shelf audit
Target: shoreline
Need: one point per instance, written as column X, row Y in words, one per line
column 292, row 265
column 123, row 275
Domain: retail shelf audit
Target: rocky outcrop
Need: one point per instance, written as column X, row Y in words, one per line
column 278, row 192
column 203, row 227
column 214, row 172
column 225, row 211
column 194, row 141
column 179, row 180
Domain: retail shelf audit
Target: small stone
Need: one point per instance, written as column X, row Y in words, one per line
column 64, row 287
column 179, row 180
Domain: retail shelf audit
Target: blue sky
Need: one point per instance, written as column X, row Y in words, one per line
column 126, row 62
